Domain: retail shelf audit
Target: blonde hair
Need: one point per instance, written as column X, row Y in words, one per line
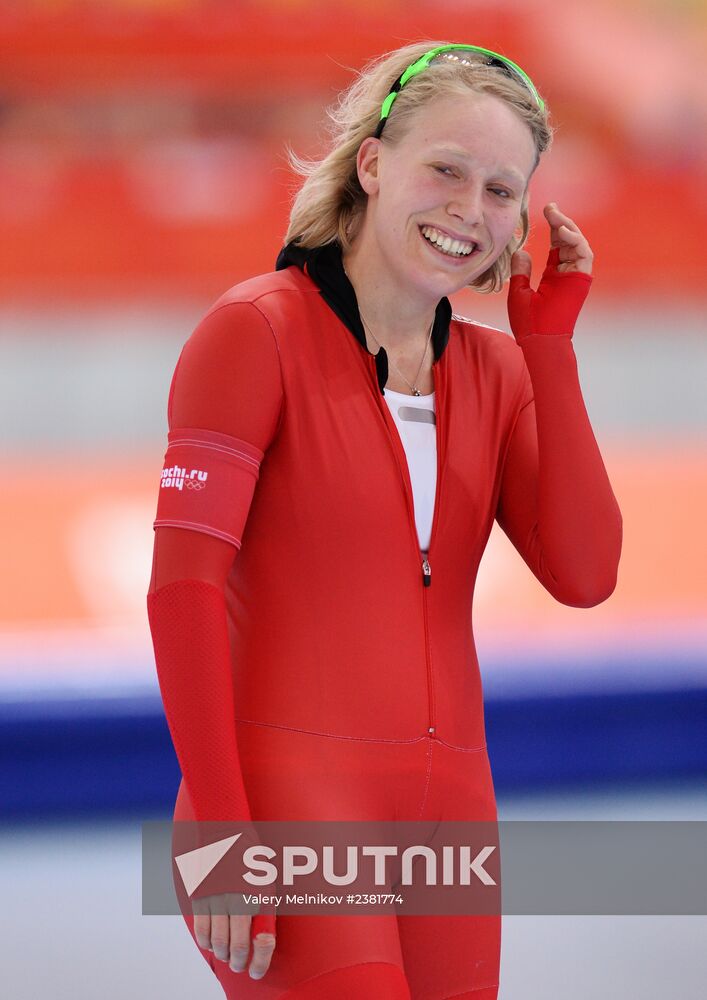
column 329, row 205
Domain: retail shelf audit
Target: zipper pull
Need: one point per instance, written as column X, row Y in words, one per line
column 426, row 572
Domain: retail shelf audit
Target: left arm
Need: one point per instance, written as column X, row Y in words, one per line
column 556, row 503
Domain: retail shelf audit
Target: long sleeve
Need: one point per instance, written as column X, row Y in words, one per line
column 556, row 503
column 224, row 407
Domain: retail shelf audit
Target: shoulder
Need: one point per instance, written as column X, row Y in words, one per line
column 228, row 373
column 494, row 355
column 486, row 340
column 261, row 291
column 241, row 321
column 235, row 334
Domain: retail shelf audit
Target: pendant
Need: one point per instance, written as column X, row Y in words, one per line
column 416, row 391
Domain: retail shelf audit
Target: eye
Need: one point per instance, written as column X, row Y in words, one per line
column 502, row 193
column 447, row 171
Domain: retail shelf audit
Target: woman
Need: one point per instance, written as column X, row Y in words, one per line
column 348, row 444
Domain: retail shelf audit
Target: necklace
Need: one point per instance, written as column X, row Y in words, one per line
column 413, row 385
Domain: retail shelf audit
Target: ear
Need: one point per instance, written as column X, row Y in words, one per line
column 367, row 164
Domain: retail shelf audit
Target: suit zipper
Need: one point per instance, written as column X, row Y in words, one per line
column 424, row 556
column 426, row 567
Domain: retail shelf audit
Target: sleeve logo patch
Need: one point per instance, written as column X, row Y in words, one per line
column 176, row 477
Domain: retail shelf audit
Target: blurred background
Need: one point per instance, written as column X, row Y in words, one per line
column 143, row 172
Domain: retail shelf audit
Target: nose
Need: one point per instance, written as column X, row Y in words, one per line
column 468, row 204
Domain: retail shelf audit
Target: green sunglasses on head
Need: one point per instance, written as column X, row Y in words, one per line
column 494, row 59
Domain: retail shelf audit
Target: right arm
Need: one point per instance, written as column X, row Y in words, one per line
column 223, row 412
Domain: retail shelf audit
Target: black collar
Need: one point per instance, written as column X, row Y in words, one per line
column 326, row 269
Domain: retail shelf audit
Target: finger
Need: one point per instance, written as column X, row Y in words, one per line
column 555, row 238
column 551, row 211
column 560, row 224
column 240, row 942
column 521, row 263
column 570, row 237
column 202, row 930
column 220, row 935
column 572, row 246
column 574, row 253
column 263, row 948
column 569, row 255
column 565, row 252
column 581, row 265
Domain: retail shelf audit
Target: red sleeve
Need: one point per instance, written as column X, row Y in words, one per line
column 556, row 503
column 224, row 408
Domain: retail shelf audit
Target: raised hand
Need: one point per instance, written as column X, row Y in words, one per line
column 564, row 285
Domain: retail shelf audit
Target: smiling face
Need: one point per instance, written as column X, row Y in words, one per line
column 444, row 201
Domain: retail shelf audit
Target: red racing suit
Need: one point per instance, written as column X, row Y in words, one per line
column 335, row 623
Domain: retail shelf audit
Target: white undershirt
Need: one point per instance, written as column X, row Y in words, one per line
column 419, row 440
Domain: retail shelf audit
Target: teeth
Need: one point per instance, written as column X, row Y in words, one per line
column 455, row 248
